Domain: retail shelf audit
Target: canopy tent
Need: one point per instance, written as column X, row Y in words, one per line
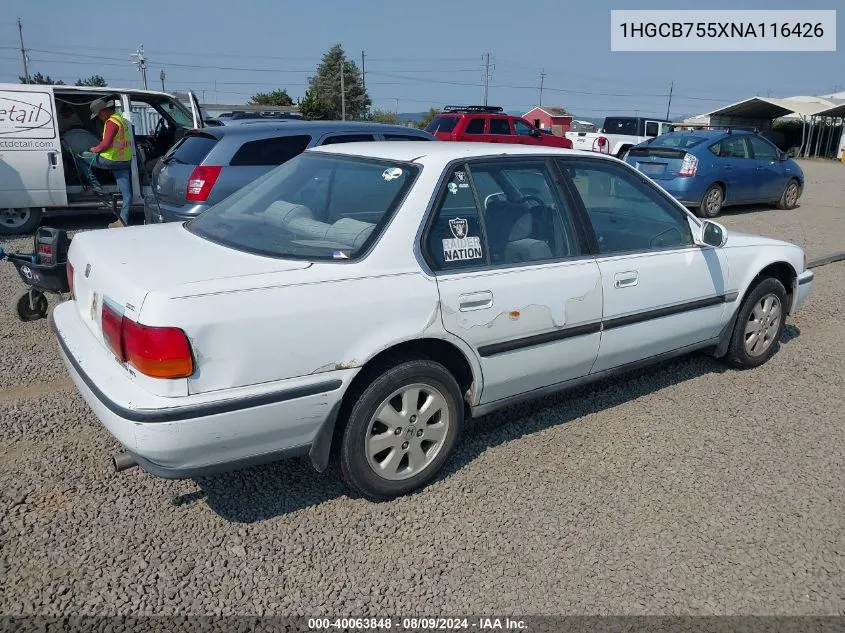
column 816, row 114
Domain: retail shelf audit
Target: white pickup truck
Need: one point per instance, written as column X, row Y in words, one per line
column 619, row 134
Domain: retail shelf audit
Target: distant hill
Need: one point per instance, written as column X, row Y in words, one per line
column 414, row 117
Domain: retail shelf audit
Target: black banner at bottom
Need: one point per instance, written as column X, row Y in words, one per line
column 418, row 624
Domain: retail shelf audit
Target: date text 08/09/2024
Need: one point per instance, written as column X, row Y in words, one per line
column 416, row 624
column 721, row 29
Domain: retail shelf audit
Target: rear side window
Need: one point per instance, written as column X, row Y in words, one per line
column 500, row 126
column 442, row 124
column 193, row 149
column 475, row 126
column 348, row 138
column 270, row 151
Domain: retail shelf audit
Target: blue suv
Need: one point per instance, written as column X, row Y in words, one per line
column 709, row 169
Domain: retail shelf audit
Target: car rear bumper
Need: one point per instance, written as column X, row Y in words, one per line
column 201, row 434
column 156, row 212
column 803, row 286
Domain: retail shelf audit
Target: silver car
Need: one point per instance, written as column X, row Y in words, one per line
column 211, row 163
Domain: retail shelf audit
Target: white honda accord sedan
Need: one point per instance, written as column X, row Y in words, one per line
column 361, row 301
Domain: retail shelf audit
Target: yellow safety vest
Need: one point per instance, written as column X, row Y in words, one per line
column 120, row 149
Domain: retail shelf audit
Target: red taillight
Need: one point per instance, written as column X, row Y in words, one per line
column 69, row 273
column 201, row 182
column 158, row 352
column 689, row 166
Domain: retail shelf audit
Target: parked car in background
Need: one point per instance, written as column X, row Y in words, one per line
column 363, row 300
column 489, row 124
column 211, row 164
column 707, row 170
column 619, row 134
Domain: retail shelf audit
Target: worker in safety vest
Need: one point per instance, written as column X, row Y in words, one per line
column 114, row 154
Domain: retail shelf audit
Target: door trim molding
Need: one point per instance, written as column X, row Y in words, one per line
column 494, row 349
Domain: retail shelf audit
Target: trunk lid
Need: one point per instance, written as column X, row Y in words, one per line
column 171, row 175
column 659, row 163
column 124, row 265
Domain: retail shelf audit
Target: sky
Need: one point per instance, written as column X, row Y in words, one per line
column 418, row 55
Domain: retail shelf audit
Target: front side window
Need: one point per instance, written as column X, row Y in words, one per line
column 404, row 137
column 522, row 128
column 315, row 206
column 626, row 213
column 762, row 149
column 348, row 138
column 651, row 128
column 500, row 126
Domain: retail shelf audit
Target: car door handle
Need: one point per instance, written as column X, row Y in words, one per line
column 626, row 280
column 475, row 301
column 53, row 159
column 728, row 168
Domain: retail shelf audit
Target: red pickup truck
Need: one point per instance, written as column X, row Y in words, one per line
column 489, row 124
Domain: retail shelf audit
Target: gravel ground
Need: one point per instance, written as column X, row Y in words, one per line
column 685, row 489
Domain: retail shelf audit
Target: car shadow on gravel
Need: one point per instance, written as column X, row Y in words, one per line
column 265, row 492
column 750, row 209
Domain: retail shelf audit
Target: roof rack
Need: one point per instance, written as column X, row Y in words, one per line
column 476, row 108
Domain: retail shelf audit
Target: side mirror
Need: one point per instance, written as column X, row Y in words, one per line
column 713, row 234
column 536, row 133
column 783, row 156
column 791, row 153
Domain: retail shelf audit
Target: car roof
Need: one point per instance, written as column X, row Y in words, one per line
column 440, row 151
column 258, row 127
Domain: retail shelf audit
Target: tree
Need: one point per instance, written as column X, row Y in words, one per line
column 313, row 108
column 427, row 118
column 44, row 80
column 95, row 81
column 383, row 116
column 275, row 98
column 325, row 86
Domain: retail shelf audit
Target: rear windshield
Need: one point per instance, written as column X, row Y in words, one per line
column 442, row 124
column 315, row 206
column 192, row 150
column 621, row 126
column 680, row 141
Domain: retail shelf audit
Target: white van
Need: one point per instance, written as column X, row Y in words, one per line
column 41, row 127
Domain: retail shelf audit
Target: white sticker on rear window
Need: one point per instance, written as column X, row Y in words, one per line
column 453, row 188
column 455, row 250
column 391, row 173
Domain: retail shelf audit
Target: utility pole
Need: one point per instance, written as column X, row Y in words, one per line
column 671, row 86
column 542, row 80
column 141, row 63
column 486, row 76
column 342, row 90
column 161, row 76
column 363, row 73
column 397, row 106
column 23, row 52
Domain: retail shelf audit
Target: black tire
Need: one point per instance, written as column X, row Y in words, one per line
column 26, row 313
column 738, row 354
column 712, row 202
column 354, row 463
column 789, row 199
column 21, row 221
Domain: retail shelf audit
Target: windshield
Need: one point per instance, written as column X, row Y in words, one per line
column 315, row 206
column 178, row 113
column 680, row 141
